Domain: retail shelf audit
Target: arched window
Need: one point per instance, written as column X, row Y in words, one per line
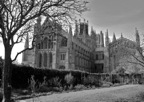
column 45, row 60
column 45, row 43
column 64, row 42
column 40, row 60
column 41, row 45
column 50, row 43
column 50, row 59
column 38, row 46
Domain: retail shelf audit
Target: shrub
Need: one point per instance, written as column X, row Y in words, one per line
column 86, row 81
column 21, row 75
column 32, row 84
column 55, row 82
column 80, row 87
column 69, row 80
column 91, row 80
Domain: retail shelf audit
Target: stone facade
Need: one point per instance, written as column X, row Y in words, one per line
column 64, row 50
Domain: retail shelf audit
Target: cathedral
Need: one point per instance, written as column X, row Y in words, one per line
column 64, row 50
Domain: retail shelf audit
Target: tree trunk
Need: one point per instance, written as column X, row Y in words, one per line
column 6, row 75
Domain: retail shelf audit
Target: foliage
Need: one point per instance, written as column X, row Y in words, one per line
column 80, row 87
column 92, row 80
column 69, row 79
column 32, row 84
column 18, row 19
column 1, row 62
column 55, row 82
column 21, row 76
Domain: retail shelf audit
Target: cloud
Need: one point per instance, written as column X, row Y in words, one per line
column 115, row 12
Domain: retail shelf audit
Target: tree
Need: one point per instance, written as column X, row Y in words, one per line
column 17, row 18
column 132, row 60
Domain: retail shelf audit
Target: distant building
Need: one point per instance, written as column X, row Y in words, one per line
column 79, row 51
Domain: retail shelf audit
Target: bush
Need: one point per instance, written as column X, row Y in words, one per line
column 80, row 87
column 69, row 80
column 55, row 82
column 32, row 85
column 91, row 80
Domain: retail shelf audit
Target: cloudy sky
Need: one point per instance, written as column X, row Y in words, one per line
column 119, row 16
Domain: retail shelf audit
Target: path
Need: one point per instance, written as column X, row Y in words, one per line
column 112, row 94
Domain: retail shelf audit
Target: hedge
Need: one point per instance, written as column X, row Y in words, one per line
column 22, row 74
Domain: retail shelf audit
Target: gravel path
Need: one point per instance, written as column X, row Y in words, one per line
column 126, row 93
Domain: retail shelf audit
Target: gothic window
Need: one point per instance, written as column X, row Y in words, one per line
column 50, row 59
column 41, row 45
column 45, row 43
column 64, row 42
column 62, row 56
column 38, row 46
column 40, row 60
column 45, row 59
column 76, row 60
column 50, row 43
column 100, row 56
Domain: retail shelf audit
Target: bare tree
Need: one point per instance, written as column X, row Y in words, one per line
column 17, row 18
column 132, row 59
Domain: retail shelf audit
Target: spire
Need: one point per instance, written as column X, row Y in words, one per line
column 101, row 39
column 121, row 35
column 84, row 21
column 70, row 36
column 107, row 39
column 70, row 30
column 84, row 30
column 27, row 41
column 76, row 28
column 92, row 31
column 107, row 33
column 114, row 38
column 137, row 37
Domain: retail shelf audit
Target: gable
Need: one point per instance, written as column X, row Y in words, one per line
column 122, row 46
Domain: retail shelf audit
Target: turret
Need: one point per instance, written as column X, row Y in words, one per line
column 107, row 39
column 76, row 29
column 27, row 42
column 70, row 30
column 121, row 35
column 137, row 37
column 37, row 27
column 86, row 27
column 83, row 28
column 114, row 38
column 70, row 36
column 101, row 39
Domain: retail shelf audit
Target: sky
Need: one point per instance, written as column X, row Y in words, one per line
column 118, row 16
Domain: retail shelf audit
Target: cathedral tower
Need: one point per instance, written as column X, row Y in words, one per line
column 137, row 37
column 107, row 39
column 76, row 33
column 101, row 39
column 114, row 38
